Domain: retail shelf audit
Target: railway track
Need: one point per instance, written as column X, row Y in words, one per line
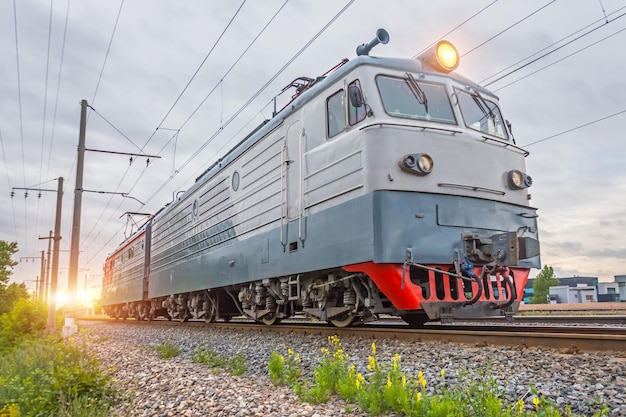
column 571, row 339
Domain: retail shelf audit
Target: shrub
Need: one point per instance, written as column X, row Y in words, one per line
column 27, row 320
column 46, row 376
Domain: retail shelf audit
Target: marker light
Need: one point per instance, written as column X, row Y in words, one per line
column 443, row 57
column 518, row 180
column 417, row 163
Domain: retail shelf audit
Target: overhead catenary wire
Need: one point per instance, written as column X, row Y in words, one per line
column 6, row 169
column 176, row 171
column 106, row 55
column 560, row 60
column 163, row 120
column 456, row 27
column 254, row 96
column 45, row 107
column 508, row 28
column 550, row 51
column 574, row 128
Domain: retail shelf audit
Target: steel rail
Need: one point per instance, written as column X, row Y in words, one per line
column 571, row 339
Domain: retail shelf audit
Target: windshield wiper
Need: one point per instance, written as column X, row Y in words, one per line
column 417, row 91
column 482, row 104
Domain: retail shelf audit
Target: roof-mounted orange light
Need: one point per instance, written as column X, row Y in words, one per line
column 443, row 57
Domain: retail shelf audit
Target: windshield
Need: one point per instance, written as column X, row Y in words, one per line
column 481, row 114
column 409, row 98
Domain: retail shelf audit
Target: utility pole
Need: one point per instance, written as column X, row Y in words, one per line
column 46, row 285
column 55, row 259
column 41, row 279
column 70, row 319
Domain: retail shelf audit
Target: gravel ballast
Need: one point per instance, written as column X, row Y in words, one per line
column 180, row 387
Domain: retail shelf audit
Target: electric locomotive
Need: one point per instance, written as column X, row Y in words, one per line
column 386, row 186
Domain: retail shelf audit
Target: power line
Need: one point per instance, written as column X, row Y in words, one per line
column 247, row 103
column 162, row 121
column 115, row 128
column 45, row 103
column 6, row 169
column 56, row 101
column 456, row 27
column 508, row 28
column 199, row 67
column 220, row 82
column 559, row 60
column 551, row 51
column 106, row 55
column 187, row 120
column 574, row 128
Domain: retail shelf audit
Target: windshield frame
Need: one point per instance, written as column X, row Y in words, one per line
column 433, row 101
column 478, row 101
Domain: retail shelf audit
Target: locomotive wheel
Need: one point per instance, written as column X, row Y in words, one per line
column 270, row 319
column 343, row 321
column 415, row 319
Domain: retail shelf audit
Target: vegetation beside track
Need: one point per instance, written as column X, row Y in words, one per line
column 45, row 375
column 386, row 388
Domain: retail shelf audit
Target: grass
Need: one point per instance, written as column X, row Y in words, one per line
column 167, row 350
column 235, row 365
column 385, row 388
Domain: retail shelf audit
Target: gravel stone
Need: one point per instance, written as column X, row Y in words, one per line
column 179, row 387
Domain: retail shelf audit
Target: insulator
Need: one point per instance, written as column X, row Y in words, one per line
column 270, row 303
column 26, row 194
column 349, row 297
column 147, row 161
column 12, row 194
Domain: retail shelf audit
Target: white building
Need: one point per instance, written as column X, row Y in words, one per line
column 580, row 294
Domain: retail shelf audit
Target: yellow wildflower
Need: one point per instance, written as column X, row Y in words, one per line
column 396, row 362
column 443, row 373
column 418, row 396
column 282, row 358
column 360, row 380
column 371, row 365
column 325, row 351
column 373, row 349
column 536, row 402
column 520, row 405
column 403, row 381
column 422, row 380
column 389, row 380
column 289, row 352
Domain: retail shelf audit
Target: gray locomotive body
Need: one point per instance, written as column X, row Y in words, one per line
column 385, row 187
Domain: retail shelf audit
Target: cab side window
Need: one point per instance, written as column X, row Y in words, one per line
column 335, row 114
column 356, row 114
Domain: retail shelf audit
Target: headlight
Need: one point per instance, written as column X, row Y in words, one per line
column 519, row 180
column 425, row 163
column 417, row 163
column 443, row 57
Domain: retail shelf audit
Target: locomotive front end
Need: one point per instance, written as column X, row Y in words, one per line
column 455, row 236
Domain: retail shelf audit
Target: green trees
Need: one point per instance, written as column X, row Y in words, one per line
column 542, row 284
column 7, row 249
column 9, row 294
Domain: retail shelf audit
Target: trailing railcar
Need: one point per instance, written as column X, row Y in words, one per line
column 388, row 186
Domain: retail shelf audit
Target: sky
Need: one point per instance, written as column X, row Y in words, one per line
column 184, row 81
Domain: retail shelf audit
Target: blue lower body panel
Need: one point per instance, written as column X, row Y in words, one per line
column 377, row 227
